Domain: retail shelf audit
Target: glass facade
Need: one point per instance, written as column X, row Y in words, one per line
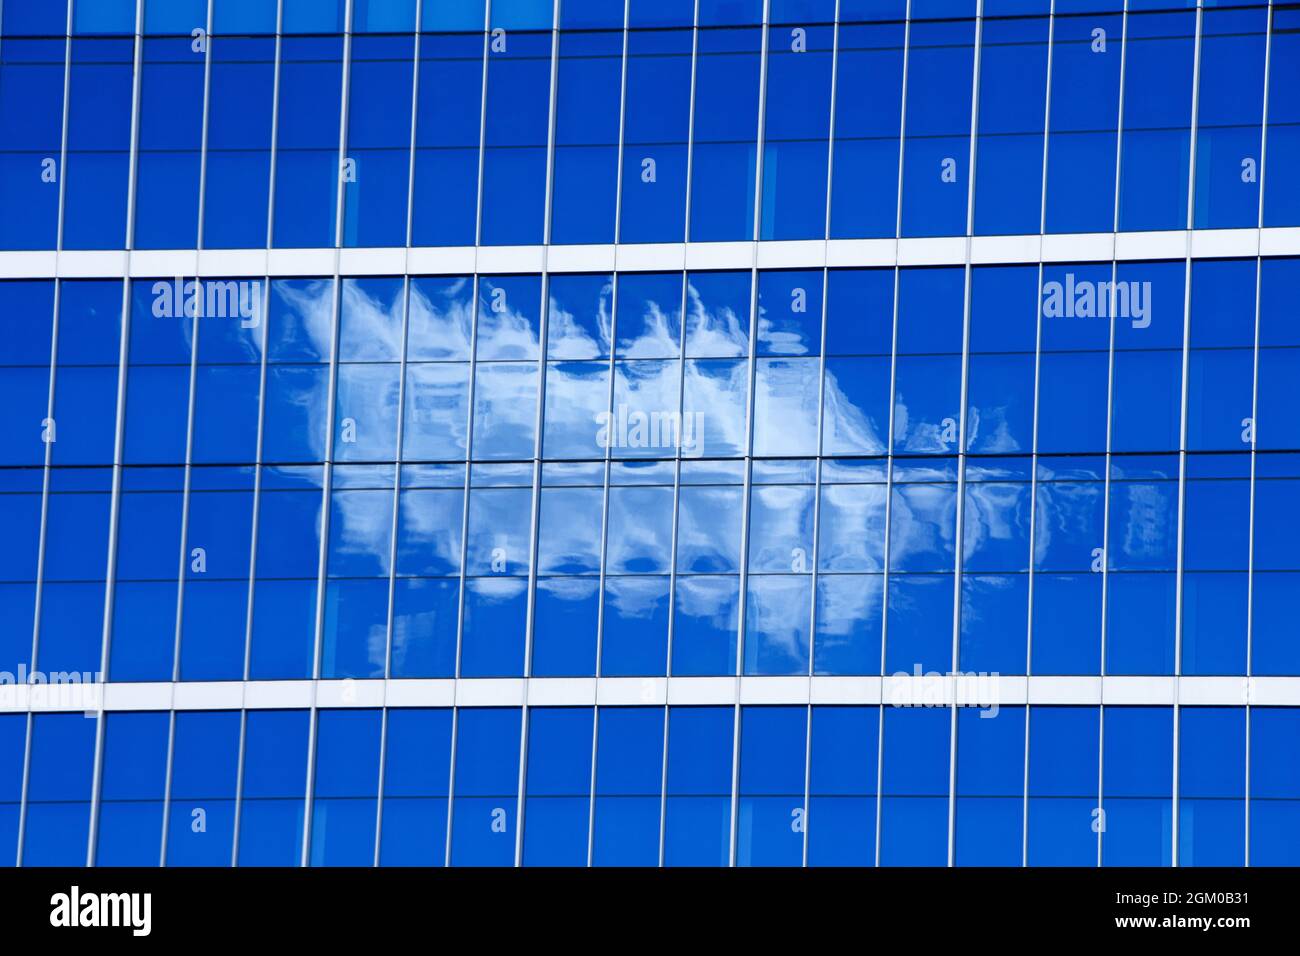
column 706, row 432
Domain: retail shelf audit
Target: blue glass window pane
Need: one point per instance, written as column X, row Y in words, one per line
column 989, row 827
column 557, row 802
column 205, row 776
column 629, row 767
column 274, row 787
column 1274, row 786
column 307, row 165
column 770, row 822
column 417, row 778
column 724, row 151
column 447, row 129
column 1064, row 750
column 842, row 786
column 914, row 802
column 1136, row 786
column 697, row 826
column 345, row 798
column 31, row 128
column 60, row 772
column 1212, row 786
column 378, row 140
column 486, row 787
column 132, row 788
column 98, row 144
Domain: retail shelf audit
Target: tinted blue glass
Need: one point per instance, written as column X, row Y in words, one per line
column 1274, row 787
column 205, row 775
column 514, row 164
column 771, row 812
column 307, row 164
column 864, row 186
column 1087, row 53
column 1064, row 750
column 914, row 781
column 697, row 826
column 132, row 787
column 936, row 147
column 585, row 177
column 417, row 775
column 274, row 787
column 1211, row 786
column 13, row 751
column 557, row 802
column 629, row 767
column 28, row 312
column 447, row 128
column 252, row 16
column 345, row 796
column 1282, row 199
column 98, row 144
column 31, row 115
column 796, row 128
column 35, row 17
column 1008, row 172
column 486, row 787
column 1229, row 116
column 1136, row 785
column 170, row 141
column 990, row 786
column 656, row 126
column 1159, row 53
column 842, row 786
column 724, row 162
column 60, row 772
column 377, row 163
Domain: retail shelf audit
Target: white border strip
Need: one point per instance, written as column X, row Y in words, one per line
column 651, row 257
column 939, row 690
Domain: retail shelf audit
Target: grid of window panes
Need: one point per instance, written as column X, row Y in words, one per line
column 248, row 123
column 831, row 472
column 643, row 786
column 1038, row 469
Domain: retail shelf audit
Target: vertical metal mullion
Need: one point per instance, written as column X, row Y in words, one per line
column 327, row 479
column 193, row 384
column 1033, row 457
column 110, row 573
column 46, row 474
column 401, row 421
column 604, row 505
column 167, row 785
column 889, row 451
column 1182, row 437
column 482, row 132
column 275, row 126
column 540, row 422
column 392, row 554
column 960, row 533
column 821, row 425
column 189, row 455
column 27, row 773
column 63, row 148
column 203, row 144
column 1254, row 417
column 261, row 429
column 469, row 436
column 759, row 144
column 686, row 236
column 690, row 131
column 1110, row 414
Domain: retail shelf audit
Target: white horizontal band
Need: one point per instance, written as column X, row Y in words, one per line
column 967, row 690
column 653, row 257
